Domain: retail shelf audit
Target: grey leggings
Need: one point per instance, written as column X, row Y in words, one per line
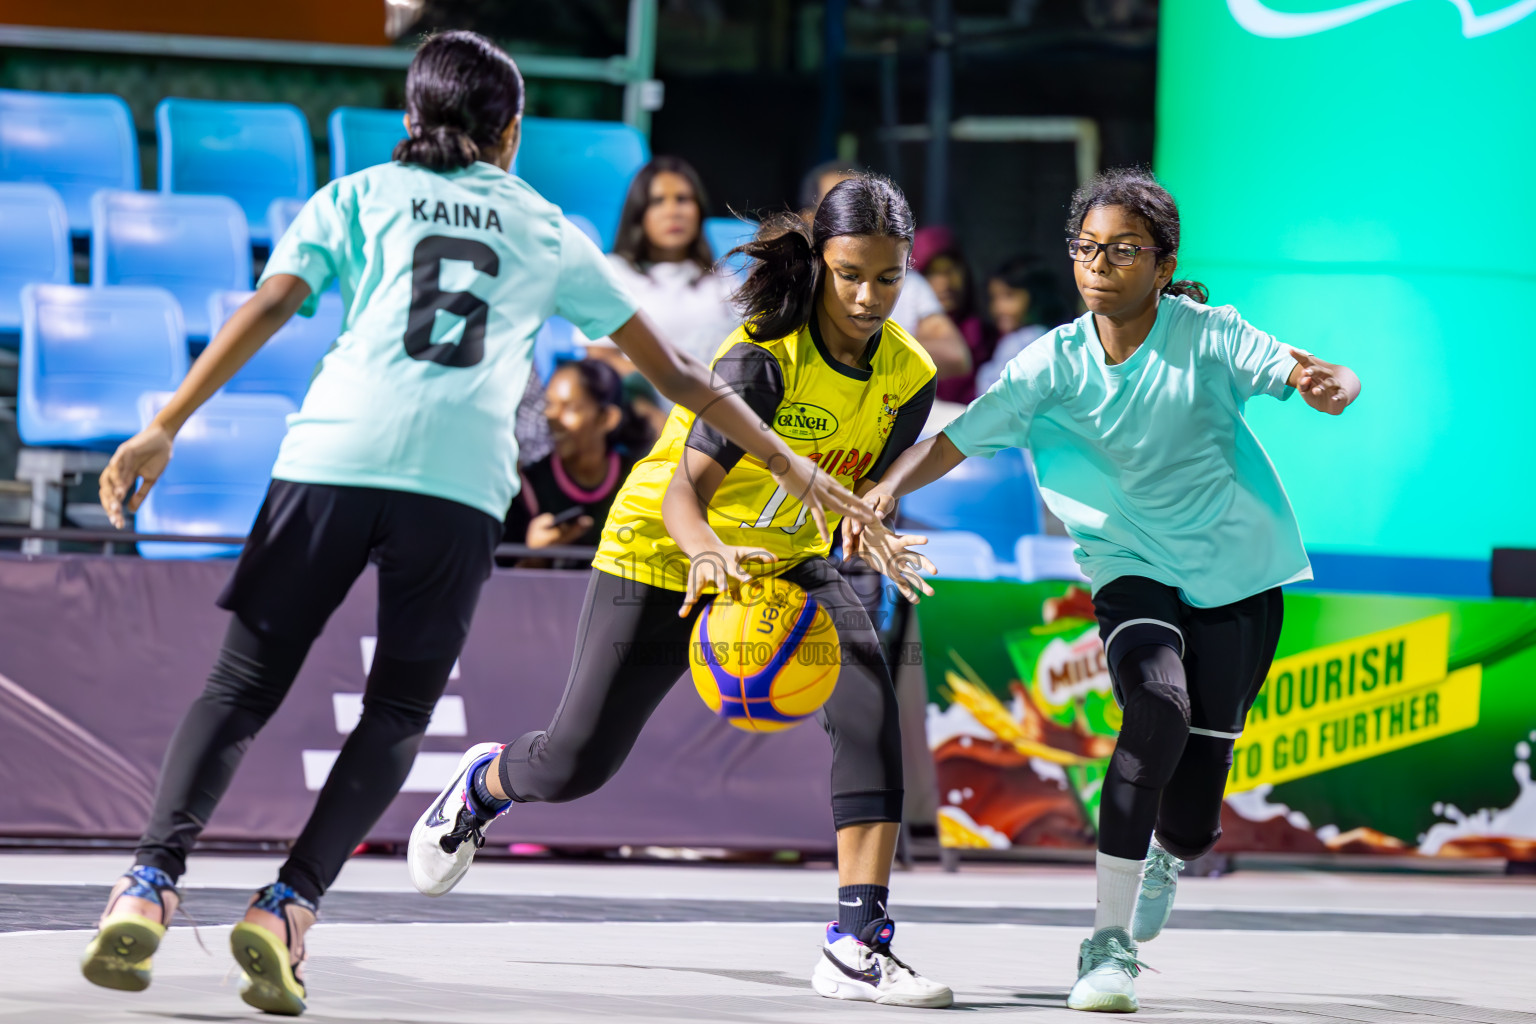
column 631, row 648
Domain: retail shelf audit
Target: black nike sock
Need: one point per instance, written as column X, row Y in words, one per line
column 858, row 905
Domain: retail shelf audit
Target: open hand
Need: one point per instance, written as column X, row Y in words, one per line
column 853, row 529
column 892, row 556
column 1326, row 387
column 138, row 461
column 722, row 571
column 818, row 492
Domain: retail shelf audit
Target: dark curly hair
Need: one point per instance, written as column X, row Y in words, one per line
column 1139, row 192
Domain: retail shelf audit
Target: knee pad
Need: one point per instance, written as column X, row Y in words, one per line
column 1155, row 726
column 1184, row 847
column 1192, row 829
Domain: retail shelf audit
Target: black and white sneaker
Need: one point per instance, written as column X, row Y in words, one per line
column 447, row 836
column 863, row 967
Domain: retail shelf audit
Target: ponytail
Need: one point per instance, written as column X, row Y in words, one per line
column 1193, row 289
column 780, row 292
column 777, row 298
column 440, row 148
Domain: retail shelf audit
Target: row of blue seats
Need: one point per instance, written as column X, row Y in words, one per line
column 256, row 153
column 88, row 354
column 193, row 246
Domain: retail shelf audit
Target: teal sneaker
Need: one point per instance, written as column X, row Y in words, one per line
column 1106, row 973
column 1159, row 881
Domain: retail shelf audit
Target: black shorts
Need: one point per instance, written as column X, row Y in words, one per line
column 311, row 541
column 1226, row 652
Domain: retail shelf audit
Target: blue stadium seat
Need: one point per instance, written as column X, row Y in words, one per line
column 555, row 344
column 192, row 246
column 960, row 555
column 252, row 152
column 556, row 341
column 1044, row 557
column 587, row 227
column 218, row 477
column 280, row 214
column 75, row 143
column 361, row 138
column 34, row 247
column 994, row 497
column 582, row 166
column 286, row 363
column 725, row 234
column 87, row 354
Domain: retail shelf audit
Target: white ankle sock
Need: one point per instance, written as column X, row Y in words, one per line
column 1119, row 882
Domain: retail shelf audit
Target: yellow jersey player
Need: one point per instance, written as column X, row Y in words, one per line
column 825, row 370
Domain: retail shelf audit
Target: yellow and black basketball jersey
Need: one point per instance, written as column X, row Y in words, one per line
column 853, row 422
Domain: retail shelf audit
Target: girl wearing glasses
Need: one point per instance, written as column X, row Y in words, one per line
column 1134, row 416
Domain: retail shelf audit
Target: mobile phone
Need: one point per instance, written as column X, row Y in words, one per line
column 572, row 513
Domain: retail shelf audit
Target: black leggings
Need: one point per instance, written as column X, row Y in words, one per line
column 309, row 544
column 1185, row 678
column 631, row 648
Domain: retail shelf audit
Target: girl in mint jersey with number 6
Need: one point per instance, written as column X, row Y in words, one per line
column 403, row 453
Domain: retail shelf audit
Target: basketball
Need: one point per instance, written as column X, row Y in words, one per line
column 767, row 661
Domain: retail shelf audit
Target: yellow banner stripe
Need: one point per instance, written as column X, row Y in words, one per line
column 1354, row 673
column 1302, row 745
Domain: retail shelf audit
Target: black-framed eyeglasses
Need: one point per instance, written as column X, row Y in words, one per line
column 1119, row 254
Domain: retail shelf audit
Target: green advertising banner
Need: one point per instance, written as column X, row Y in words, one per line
column 1386, row 724
column 1355, row 178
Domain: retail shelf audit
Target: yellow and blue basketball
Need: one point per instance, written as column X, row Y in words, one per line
column 767, row 661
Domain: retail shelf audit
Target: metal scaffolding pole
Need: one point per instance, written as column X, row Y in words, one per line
column 642, row 93
column 940, row 111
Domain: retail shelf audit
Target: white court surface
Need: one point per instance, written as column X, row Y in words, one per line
column 550, row 942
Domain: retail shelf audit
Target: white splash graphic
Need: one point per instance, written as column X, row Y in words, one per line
column 1254, row 805
column 954, row 721
column 1516, row 820
column 989, row 835
column 1265, row 21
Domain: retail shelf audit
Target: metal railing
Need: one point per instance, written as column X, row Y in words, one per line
column 634, row 70
column 110, row 538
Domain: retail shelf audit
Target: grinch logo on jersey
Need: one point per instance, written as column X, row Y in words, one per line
column 804, row 422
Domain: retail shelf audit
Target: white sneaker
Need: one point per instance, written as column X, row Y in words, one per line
column 1106, row 973
column 445, row 839
column 850, row 969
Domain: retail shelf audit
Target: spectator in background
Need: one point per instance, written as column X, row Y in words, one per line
column 661, row 256
column 917, row 308
column 936, row 255
column 566, row 495
column 1025, row 303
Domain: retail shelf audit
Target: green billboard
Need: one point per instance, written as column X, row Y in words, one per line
column 1386, row 725
column 1356, row 178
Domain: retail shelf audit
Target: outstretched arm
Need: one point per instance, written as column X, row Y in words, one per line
column 688, row 382
column 144, row 456
column 1326, row 387
column 918, row 466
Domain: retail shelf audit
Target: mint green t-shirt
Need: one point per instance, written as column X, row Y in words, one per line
column 1149, row 463
column 446, row 279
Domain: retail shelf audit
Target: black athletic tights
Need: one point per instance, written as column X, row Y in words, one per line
column 309, row 544
column 631, row 648
column 1185, row 678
